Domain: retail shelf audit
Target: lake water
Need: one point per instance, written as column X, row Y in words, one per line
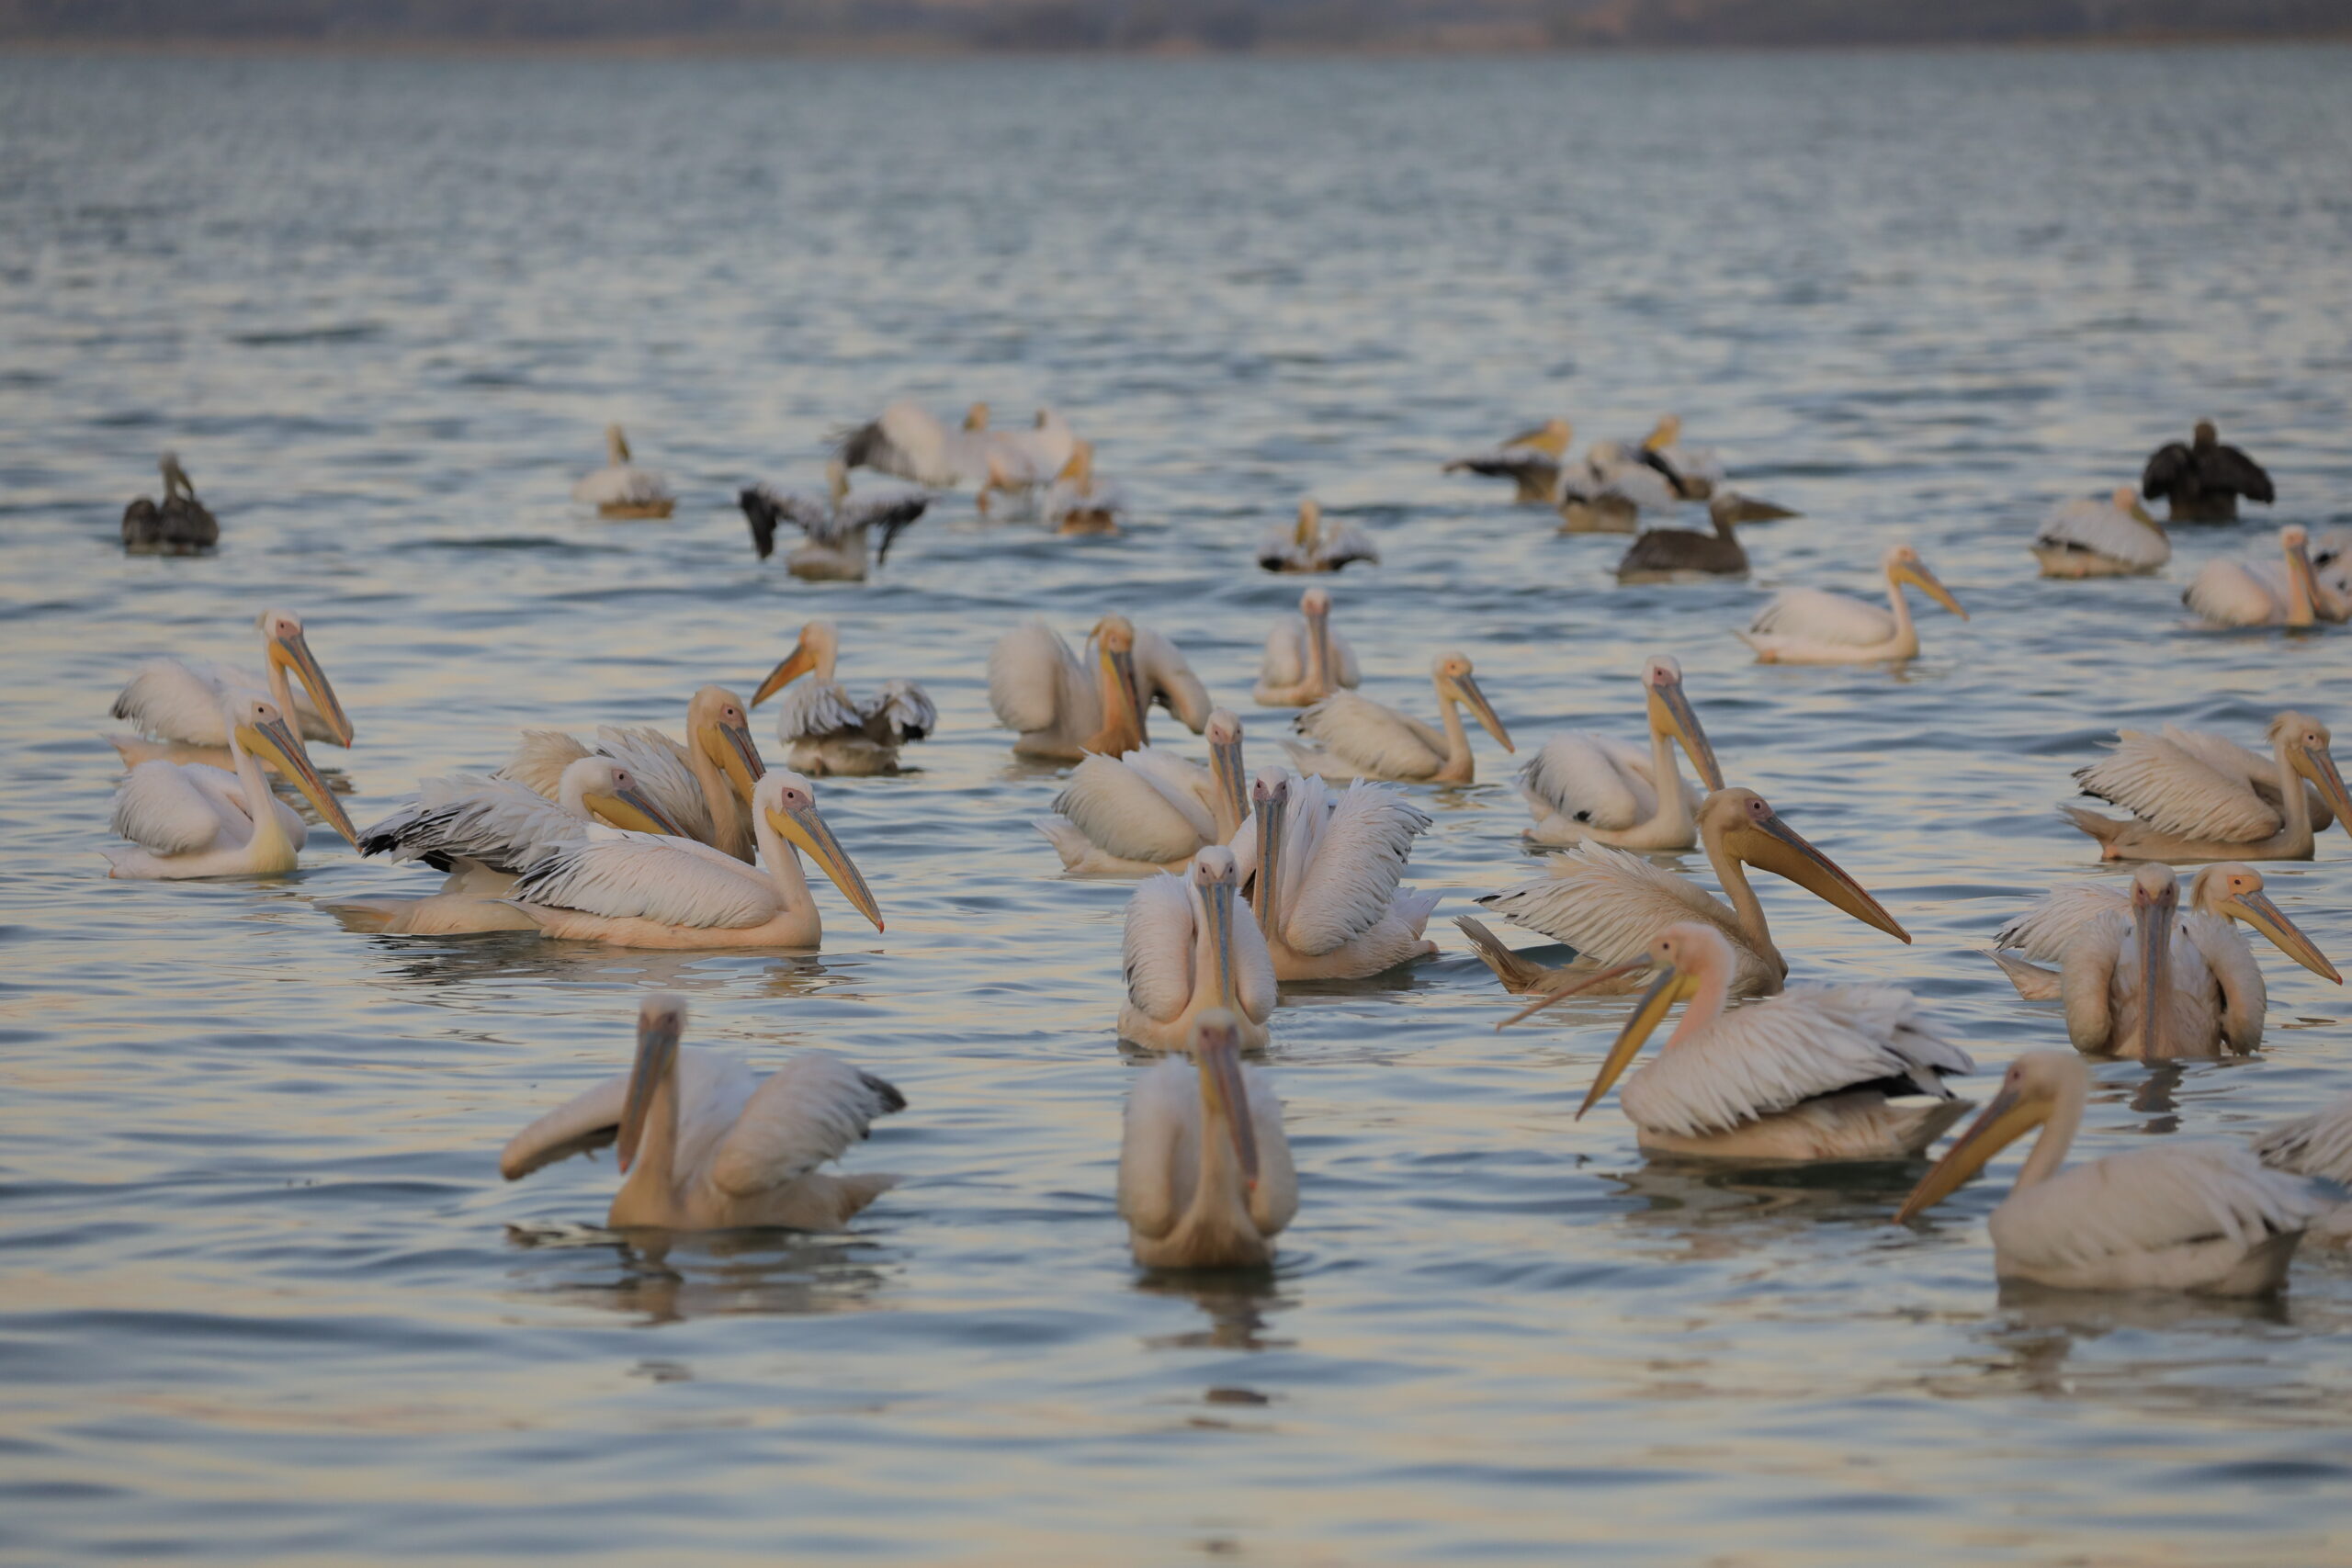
column 263, row 1295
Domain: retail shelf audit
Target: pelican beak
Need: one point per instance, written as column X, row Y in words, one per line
column 1676, row 984
column 737, row 754
column 294, row 652
column 1272, row 807
column 1466, row 685
column 277, row 742
column 1919, row 577
column 1121, row 665
column 2153, row 915
column 634, row 809
column 1670, row 714
column 2011, row 1116
column 1772, row 845
column 807, row 832
column 797, row 663
column 1225, row 767
column 1217, row 1050
column 2256, row 910
column 2318, row 764
column 1587, row 983
column 657, row 1057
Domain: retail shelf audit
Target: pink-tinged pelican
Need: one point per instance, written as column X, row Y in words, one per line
column 1206, row 1179
column 2110, row 537
column 2204, row 1218
column 1061, row 709
column 1532, row 460
column 1306, row 660
column 175, row 704
column 705, row 786
column 643, row 890
column 190, row 819
column 1326, row 872
column 2195, row 795
column 1148, row 810
column 1806, row 625
column 2318, row 1145
column 1610, row 905
column 1193, row 945
column 825, row 731
column 1586, row 786
column 905, row 440
column 835, row 527
column 2284, row 592
column 1356, row 738
column 705, row 1144
column 1313, row 544
column 622, row 489
column 1816, row 1073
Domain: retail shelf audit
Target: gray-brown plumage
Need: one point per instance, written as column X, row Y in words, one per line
column 1672, row 554
column 2203, row 480
column 178, row 526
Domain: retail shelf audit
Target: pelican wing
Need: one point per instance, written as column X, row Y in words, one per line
column 1159, row 1146
column 649, row 876
column 1032, row 674
column 1275, row 1200
column 660, row 764
column 816, row 709
column 2230, row 468
column 1819, row 616
column 1358, row 857
column 1372, row 737
column 2229, row 593
column 903, row 710
column 1592, row 779
column 2161, row 783
column 1345, row 542
column 2098, row 526
column 173, row 699
column 2316, row 1145
column 1125, row 809
column 2151, row 1200
column 1607, row 904
column 808, row 1111
column 904, row 440
column 1530, row 467
column 623, row 484
column 164, row 809
column 2166, row 467
column 501, row 823
column 1158, row 946
column 2051, row 925
column 892, row 511
column 1284, row 664
column 707, row 1081
column 538, row 760
column 2229, row 959
column 1164, row 676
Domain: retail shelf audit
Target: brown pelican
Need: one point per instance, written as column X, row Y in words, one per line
column 179, row 526
column 621, row 488
column 2203, row 480
column 1682, row 554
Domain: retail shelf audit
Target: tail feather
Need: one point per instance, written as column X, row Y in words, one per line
column 2105, row 830
column 1069, row 842
column 1518, row 974
column 2034, row 983
column 760, row 511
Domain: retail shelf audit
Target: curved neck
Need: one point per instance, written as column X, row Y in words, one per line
column 1673, row 811
column 727, row 811
column 281, row 691
column 1318, row 662
column 1722, row 520
column 2294, row 805
column 260, row 804
column 782, row 864
column 2299, row 593
column 2057, row 1134
column 1706, row 1004
column 1904, row 635
column 1457, row 765
column 1123, row 726
column 652, row 1175
column 571, row 793
column 1745, row 906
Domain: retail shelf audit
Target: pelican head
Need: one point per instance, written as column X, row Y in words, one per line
column 2305, row 741
column 2156, row 899
column 176, row 479
column 287, row 648
column 1902, row 565
column 717, row 726
column 616, row 445
column 1225, row 1095
column 1670, row 715
column 1223, row 733
column 1751, row 832
column 1664, row 433
column 2039, row 1087
column 263, row 731
column 2205, row 436
column 789, row 804
column 1457, row 684
column 1115, row 646
column 1692, row 960
column 660, row 1022
column 818, row 646
column 2234, row 891
column 977, row 417
column 1269, row 802
column 1216, row 880
column 611, row 791
column 1310, row 523
column 2127, row 500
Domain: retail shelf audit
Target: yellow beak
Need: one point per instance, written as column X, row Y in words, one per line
column 2256, row 910
column 1466, row 687
column 1669, row 988
column 276, row 742
column 2010, row 1117
column 737, row 754
column 1772, row 845
column 657, row 1055
column 1670, row 714
column 807, row 832
column 1925, row 581
column 294, row 652
column 634, row 809
column 797, row 663
column 1225, row 1091
column 2318, row 764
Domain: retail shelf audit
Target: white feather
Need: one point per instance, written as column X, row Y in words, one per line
column 2176, row 788
column 671, row 881
column 2096, row 524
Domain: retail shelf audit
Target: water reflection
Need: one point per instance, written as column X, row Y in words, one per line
column 1235, row 1301
column 447, row 962
column 1711, row 1209
column 662, row 1278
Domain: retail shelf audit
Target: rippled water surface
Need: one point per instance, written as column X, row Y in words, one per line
column 264, row 1295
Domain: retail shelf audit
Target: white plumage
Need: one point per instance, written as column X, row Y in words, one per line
column 1306, row 660
column 2194, row 795
column 906, row 441
column 1330, row 906
column 190, row 819
column 1806, row 625
column 2285, row 590
column 825, row 731
column 1080, row 502
column 703, row 786
column 176, row 704
column 1586, row 786
column 1062, row 709
column 1190, row 946
column 1356, row 738
column 2101, row 537
column 1184, row 1190
column 1315, row 543
column 2318, row 1145
column 1147, row 809
column 621, row 488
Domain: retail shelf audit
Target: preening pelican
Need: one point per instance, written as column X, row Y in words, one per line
column 1078, row 502
column 1532, row 460
column 705, row 1144
column 1148, row 809
column 1059, row 708
column 827, row 731
column 2202, row 480
column 905, row 441
column 1610, row 905
column 642, row 890
column 1695, row 472
column 621, row 488
column 2284, row 592
column 1815, row 1073
column 1306, row 660
column 834, row 526
column 1805, row 626
column 190, row 819
column 178, row 526
column 1206, row 1179
column 1584, row 785
column 2318, row 1145
column 703, row 786
column 1356, row 738
column 2206, row 1218
column 1313, row 545
column 175, row 704
column 2114, row 537
column 2194, row 795
column 1682, row 554
column 1325, row 872
column 1192, row 946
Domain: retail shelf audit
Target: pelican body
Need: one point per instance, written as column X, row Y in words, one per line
column 622, row 489
column 906, row 441
column 176, row 705
column 1682, row 554
column 834, row 526
column 1313, row 544
column 2201, row 481
column 1148, row 810
column 1532, row 460
column 1584, row 785
column 824, row 729
column 1206, row 1179
column 1306, row 660
column 2198, row 796
column 179, row 524
column 2318, row 1145
column 1079, row 504
column 190, row 820
column 1192, row 946
column 1805, row 626
column 1324, row 873
column 2286, row 593
column 2115, row 537
column 1355, row 737
column 1063, row 709
column 705, row 786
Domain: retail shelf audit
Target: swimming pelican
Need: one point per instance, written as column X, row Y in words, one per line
column 2205, row 1218
column 827, row 731
column 1078, row 502
column 1532, row 460
column 1610, row 906
column 1310, row 545
column 1192, row 946
column 1812, row 1074
column 1694, row 471
column 1040, row 691
column 2203, row 480
column 1356, row 738
column 705, row 1144
column 1326, row 872
column 190, row 819
column 1805, row 626
column 906, row 442
column 643, row 890
column 2318, row 1145
column 2284, row 592
column 2114, row 537
column 703, row 786
column 1148, row 809
column 2194, row 796
column 1584, row 786
column 175, row 704
column 834, row 526
column 621, row 488
column 1306, row 660
column 1682, row 554
column 179, row 526
column 1206, row 1179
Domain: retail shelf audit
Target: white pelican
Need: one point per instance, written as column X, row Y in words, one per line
column 1039, row 453
column 2114, row 537
column 1306, row 660
column 1206, row 1179
column 1805, row 626
column 2206, row 1218
column 621, row 488
column 1610, row 905
column 175, row 704
column 1584, row 786
column 191, row 819
column 834, row 526
column 1312, row 545
column 1040, row 691
column 2332, row 562
column 1325, row 874
column 1191, row 946
column 2203, row 480
column 1356, row 738
column 179, row 526
column 1148, row 809
column 1078, row 502
column 703, row 786
column 827, row 731
column 1695, row 472
column 644, row 890
column 2284, row 592
column 2194, row 795
column 705, row 1144
column 1532, row 460
column 905, row 441
column 2318, row 1145
column 1812, row 1074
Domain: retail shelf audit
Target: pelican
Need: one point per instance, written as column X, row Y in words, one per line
column 1191, row 947
column 621, row 488
column 703, row 786
column 643, row 890
column 2115, row 537
column 1078, row 502
column 1147, row 809
column 906, row 442
column 1610, row 905
column 2203, row 480
column 1306, row 660
column 1356, row 738
column 834, row 526
column 1694, row 471
column 1532, row 460
column 1605, row 492
column 1040, row 691
column 1680, row 555
column 2318, row 1145
column 1583, row 785
column 1310, row 546
column 824, row 729
column 190, row 819
column 1805, row 626
column 2196, row 797
column 179, row 526
column 1036, row 455
column 175, row 704
column 1813, row 1073
column 1206, row 1179
column 2286, row 593
column 705, row 1144
column 2206, row 1218
column 1325, row 878
column 2332, row 562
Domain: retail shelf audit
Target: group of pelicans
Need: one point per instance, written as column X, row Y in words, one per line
column 1250, row 881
